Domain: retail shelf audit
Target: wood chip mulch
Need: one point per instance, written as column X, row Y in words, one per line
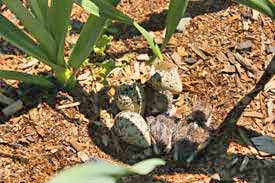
column 222, row 57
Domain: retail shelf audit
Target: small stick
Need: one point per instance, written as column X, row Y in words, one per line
column 68, row 105
column 13, row 108
column 5, row 100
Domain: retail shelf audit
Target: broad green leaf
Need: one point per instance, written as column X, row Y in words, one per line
column 37, row 10
column 33, row 26
column 102, row 171
column 27, row 78
column 150, row 40
column 146, row 166
column 266, row 7
column 175, row 12
column 106, row 10
column 89, row 6
column 60, row 12
column 40, row 8
column 90, row 33
column 17, row 37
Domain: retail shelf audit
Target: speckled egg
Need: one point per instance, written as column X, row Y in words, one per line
column 130, row 97
column 165, row 76
column 131, row 128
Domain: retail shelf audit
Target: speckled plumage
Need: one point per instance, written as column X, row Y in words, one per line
column 162, row 128
column 158, row 102
column 188, row 140
column 193, row 133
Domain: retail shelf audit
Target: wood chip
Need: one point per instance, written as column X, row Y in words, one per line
column 253, row 114
column 40, row 131
column 245, row 25
column 198, row 52
column 77, row 146
column 13, row 108
column 83, row 156
column 68, row 105
column 182, row 52
column 112, row 92
column 228, row 69
column 29, row 64
column 221, row 57
column 245, row 63
column 143, row 57
column 5, row 100
column 270, row 85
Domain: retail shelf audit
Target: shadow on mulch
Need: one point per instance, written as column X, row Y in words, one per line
column 156, row 21
column 208, row 163
column 229, row 131
column 31, row 96
column 215, row 154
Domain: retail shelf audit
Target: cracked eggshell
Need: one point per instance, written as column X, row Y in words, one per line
column 131, row 128
column 130, row 97
column 165, row 76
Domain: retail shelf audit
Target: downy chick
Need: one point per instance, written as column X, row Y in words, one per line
column 192, row 134
column 162, row 128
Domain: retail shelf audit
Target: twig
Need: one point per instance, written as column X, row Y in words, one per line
column 5, row 100
column 13, row 108
column 68, row 105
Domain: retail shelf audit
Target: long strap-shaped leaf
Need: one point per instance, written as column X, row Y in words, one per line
column 149, row 40
column 60, row 18
column 89, row 6
column 266, row 7
column 40, row 8
column 104, row 172
column 87, row 39
column 108, row 11
column 104, row 8
column 33, row 26
column 175, row 12
column 28, row 78
column 17, row 37
column 90, row 33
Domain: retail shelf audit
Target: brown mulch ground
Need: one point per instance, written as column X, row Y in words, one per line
column 48, row 135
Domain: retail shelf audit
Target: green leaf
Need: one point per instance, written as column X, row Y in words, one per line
column 89, row 6
column 60, row 12
column 102, row 171
column 40, row 9
column 28, row 78
column 146, row 166
column 102, row 44
column 175, row 12
column 150, row 40
column 33, row 26
column 107, row 10
column 266, row 7
column 17, row 37
column 90, row 33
